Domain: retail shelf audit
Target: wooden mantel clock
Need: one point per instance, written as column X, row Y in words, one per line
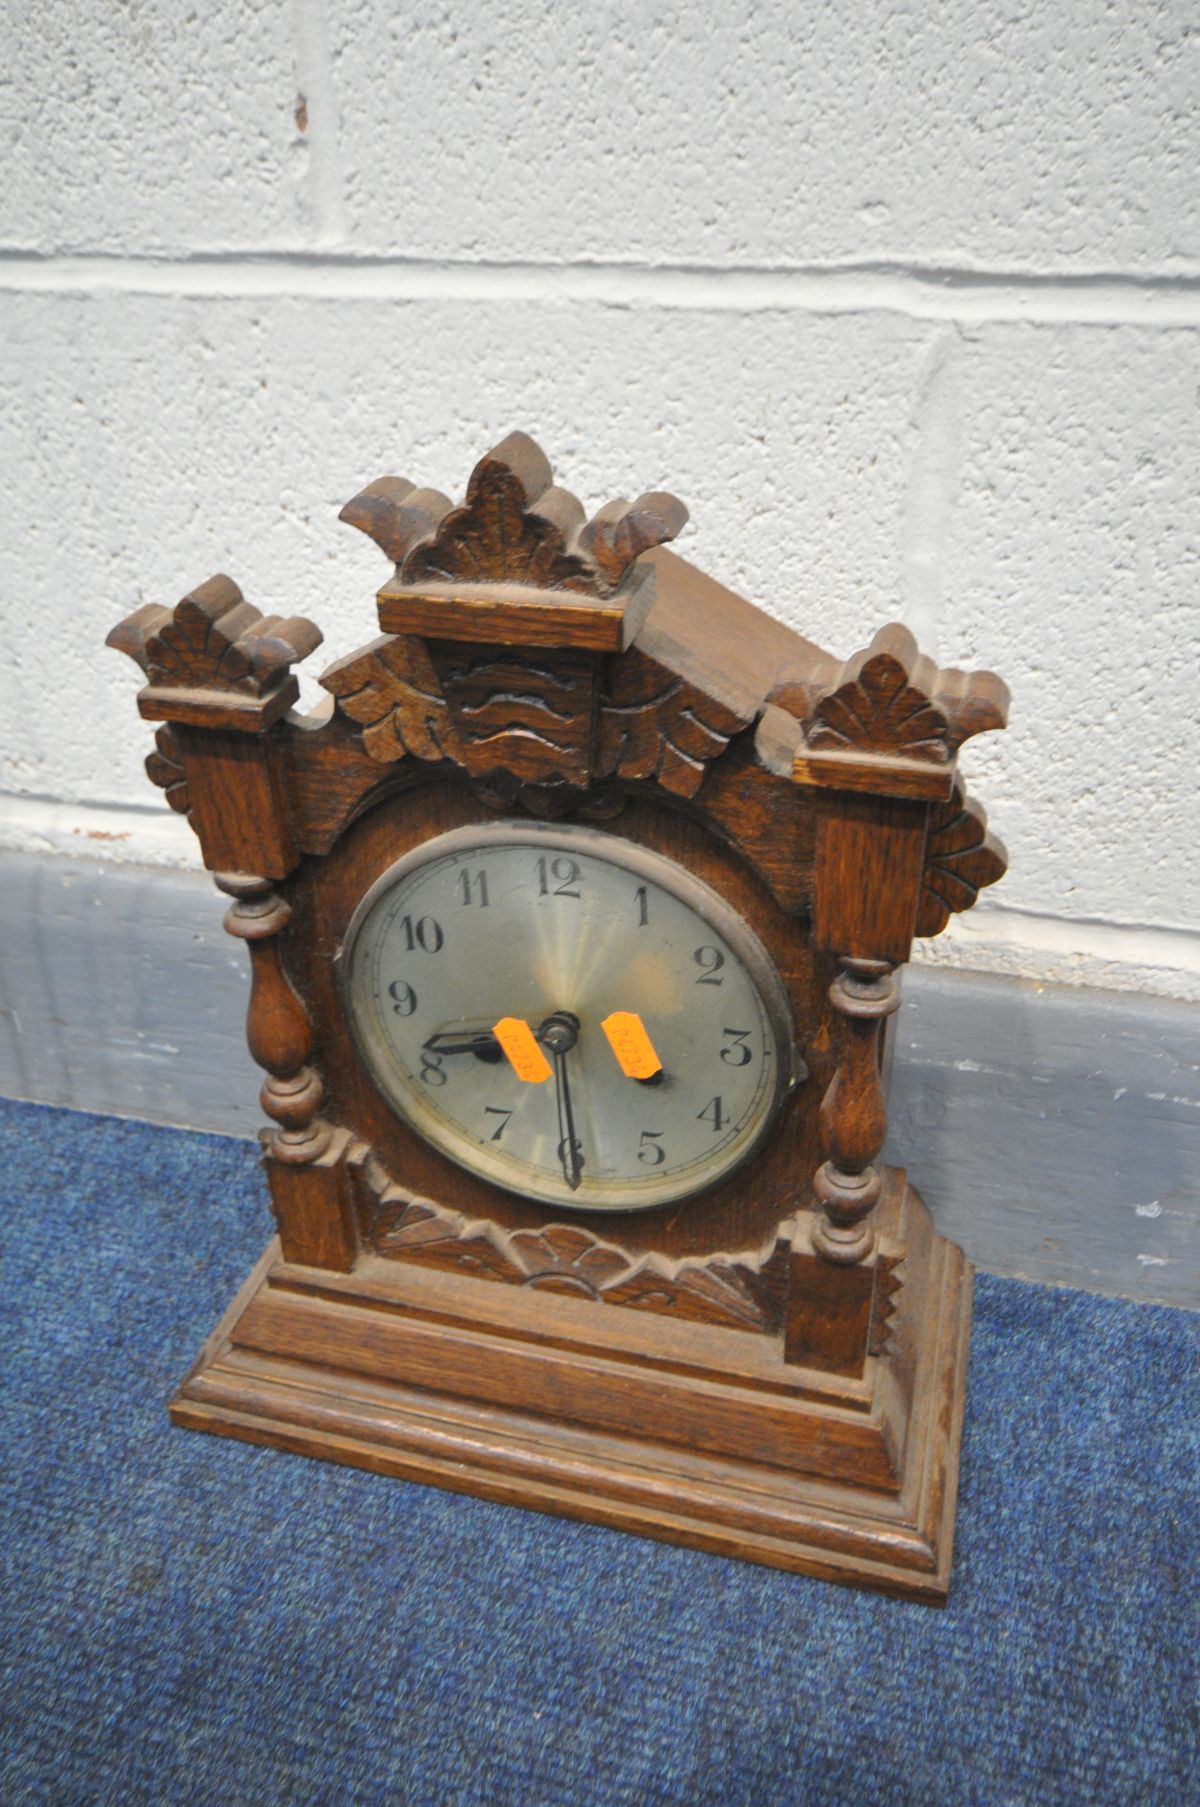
column 573, row 924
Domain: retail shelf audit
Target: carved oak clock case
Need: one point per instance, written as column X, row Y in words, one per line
column 573, row 921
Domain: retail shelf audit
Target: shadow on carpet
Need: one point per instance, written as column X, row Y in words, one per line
column 192, row 1620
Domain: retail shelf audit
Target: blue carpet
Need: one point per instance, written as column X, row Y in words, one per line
column 190, row 1620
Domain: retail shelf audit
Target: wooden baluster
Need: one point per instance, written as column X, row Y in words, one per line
column 854, row 1114
column 277, row 1026
column 304, row 1155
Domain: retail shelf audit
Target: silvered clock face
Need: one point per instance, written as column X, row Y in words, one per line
column 557, row 930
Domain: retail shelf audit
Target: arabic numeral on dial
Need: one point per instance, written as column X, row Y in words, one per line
column 714, row 1113
column 651, row 1153
column 424, row 933
column 641, row 896
column 710, row 960
column 404, row 998
column 496, row 1110
column 558, row 877
column 432, row 1071
column 736, row 1051
column 474, row 887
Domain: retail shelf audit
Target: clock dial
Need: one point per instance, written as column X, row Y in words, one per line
column 505, row 983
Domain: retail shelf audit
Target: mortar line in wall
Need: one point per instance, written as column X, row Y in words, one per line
column 917, row 291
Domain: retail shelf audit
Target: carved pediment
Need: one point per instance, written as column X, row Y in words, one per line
column 519, row 644
column 516, row 527
column 515, row 654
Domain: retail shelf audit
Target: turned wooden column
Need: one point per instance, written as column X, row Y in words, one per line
column 303, row 1154
column 278, row 1031
column 867, row 876
column 220, row 679
column 853, row 1117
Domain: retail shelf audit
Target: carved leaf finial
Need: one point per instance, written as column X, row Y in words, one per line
column 961, row 857
column 396, row 515
column 515, row 527
column 892, row 699
column 621, row 531
column 214, row 640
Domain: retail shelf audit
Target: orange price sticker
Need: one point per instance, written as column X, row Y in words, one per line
column 524, row 1052
column 632, row 1046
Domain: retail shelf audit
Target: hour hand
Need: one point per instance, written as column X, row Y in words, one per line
column 464, row 1041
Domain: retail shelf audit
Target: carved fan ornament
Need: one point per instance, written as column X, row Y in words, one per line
column 654, row 724
column 892, row 703
column 742, row 1292
column 214, row 640
column 164, row 768
column 961, row 857
column 891, row 700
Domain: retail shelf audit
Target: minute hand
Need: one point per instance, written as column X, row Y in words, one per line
column 568, row 1147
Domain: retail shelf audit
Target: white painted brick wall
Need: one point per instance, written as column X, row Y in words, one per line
column 904, row 302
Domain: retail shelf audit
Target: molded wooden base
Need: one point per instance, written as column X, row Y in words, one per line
column 692, row 1435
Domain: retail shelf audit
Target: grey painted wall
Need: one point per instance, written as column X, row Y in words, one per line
column 1054, row 1132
